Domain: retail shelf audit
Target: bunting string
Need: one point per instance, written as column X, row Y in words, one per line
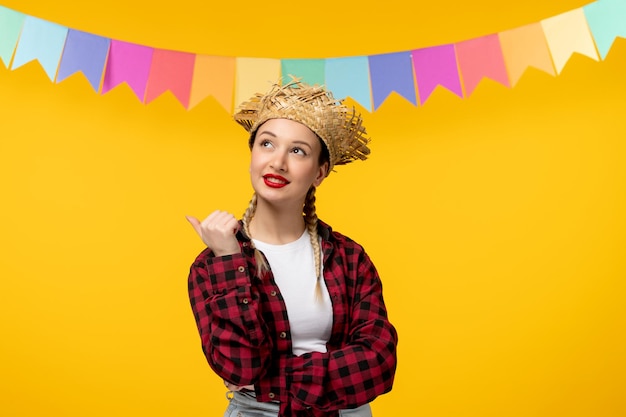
column 369, row 80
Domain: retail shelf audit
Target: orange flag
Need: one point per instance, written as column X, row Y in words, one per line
column 213, row 76
column 525, row 47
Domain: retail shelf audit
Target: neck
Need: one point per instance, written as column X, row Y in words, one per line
column 275, row 225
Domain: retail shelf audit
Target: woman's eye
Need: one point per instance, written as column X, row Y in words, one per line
column 265, row 143
column 298, row 151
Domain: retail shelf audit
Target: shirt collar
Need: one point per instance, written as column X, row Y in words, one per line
column 323, row 229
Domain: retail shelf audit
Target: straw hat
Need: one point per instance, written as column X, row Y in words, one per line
column 313, row 106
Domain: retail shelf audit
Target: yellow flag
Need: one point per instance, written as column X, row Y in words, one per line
column 255, row 75
column 568, row 33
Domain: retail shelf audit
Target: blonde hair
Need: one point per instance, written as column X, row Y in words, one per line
column 310, row 221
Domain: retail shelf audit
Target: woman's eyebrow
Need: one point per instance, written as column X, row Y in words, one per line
column 301, row 142
column 295, row 142
column 268, row 132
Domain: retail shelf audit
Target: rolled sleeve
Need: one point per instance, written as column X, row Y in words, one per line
column 226, row 308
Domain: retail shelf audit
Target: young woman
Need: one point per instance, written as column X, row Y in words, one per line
column 291, row 313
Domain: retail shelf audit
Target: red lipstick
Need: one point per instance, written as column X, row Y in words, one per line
column 274, row 181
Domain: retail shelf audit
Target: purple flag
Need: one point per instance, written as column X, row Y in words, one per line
column 129, row 63
column 86, row 53
column 392, row 72
column 436, row 66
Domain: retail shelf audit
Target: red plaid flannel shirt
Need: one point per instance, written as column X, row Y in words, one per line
column 245, row 335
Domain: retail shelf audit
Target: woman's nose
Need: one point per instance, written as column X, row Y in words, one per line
column 279, row 162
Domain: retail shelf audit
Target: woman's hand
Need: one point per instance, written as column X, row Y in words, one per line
column 218, row 232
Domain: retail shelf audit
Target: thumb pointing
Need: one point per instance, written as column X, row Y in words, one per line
column 195, row 223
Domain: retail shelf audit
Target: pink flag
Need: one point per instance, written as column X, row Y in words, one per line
column 479, row 58
column 173, row 71
column 129, row 63
column 436, row 66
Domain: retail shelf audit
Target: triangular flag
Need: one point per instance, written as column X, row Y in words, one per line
column 310, row 71
column 255, row 75
column 435, row 66
column 42, row 41
column 86, row 53
column 525, row 47
column 481, row 58
column 215, row 76
column 173, row 71
column 349, row 77
column 129, row 63
column 11, row 23
column 607, row 21
column 392, row 72
column 568, row 33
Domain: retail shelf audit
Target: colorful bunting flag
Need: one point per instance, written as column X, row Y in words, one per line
column 42, row 41
column 128, row 63
column 254, row 75
column 173, row 71
column 436, row 66
column 481, row 58
column 213, row 75
column 369, row 80
column 607, row 21
column 350, row 77
column 525, row 47
column 86, row 53
column 310, row 71
column 10, row 27
column 389, row 73
column 568, row 33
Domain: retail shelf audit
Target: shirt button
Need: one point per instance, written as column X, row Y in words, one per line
column 271, row 395
column 245, row 244
column 273, row 293
column 282, row 335
column 245, row 301
column 241, row 269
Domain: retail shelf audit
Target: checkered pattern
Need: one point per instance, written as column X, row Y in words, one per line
column 245, row 335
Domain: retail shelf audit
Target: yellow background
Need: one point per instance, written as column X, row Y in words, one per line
column 496, row 221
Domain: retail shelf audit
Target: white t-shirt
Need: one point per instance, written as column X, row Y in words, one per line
column 310, row 319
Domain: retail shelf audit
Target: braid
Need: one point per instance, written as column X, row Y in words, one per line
column 247, row 216
column 310, row 218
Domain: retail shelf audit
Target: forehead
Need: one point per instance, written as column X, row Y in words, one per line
column 287, row 129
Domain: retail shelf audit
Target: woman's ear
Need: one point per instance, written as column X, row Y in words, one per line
column 321, row 174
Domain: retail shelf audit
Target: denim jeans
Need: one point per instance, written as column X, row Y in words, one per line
column 244, row 404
